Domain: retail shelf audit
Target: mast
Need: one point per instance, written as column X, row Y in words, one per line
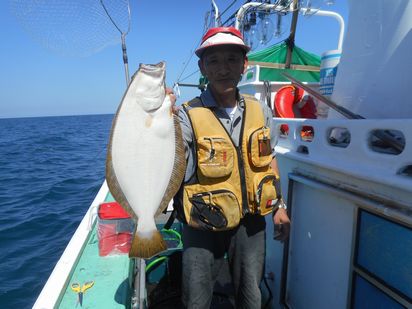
column 290, row 41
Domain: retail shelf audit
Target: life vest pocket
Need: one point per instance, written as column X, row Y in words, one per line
column 213, row 210
column 259, row 147
column 215, row 156
column 266, row 193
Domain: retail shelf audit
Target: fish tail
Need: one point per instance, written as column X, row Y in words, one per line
column 146, row 245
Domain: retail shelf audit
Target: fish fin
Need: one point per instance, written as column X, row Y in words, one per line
column 146, row 247
column 179, row 168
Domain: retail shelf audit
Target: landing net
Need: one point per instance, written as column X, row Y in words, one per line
column 76, row 28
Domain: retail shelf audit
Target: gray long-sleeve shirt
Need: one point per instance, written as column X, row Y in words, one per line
column 232, row 126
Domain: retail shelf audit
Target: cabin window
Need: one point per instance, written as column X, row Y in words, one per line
column 307, row 133
column 283, row 130
column 367, row 295
column 339, row 137
column 303, row 149
column 390, row 142
column 249, row 75
column 405, row 171
column 382, row 263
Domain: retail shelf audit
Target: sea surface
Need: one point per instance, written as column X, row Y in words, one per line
column 51, row 168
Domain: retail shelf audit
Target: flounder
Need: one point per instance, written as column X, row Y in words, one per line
column 145, row 162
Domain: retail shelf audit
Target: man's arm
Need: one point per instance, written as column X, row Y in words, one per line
column 280, row 217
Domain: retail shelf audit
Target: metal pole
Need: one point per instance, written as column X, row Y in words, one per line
column 291, row 39
column 345, row 112
column 142, row 283
column 125, row 59
column 217, row 17
column 334, row 15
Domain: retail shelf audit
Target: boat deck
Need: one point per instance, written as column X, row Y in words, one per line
column 113, row 275
column 110, row 274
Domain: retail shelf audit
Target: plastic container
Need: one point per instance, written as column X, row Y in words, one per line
column 328, row 69
column 115, row 229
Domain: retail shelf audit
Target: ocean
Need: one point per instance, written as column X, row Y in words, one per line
column 50, row 170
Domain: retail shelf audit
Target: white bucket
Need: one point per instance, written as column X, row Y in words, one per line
column 328, row 68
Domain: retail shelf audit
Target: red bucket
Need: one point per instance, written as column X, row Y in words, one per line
column 115, row 229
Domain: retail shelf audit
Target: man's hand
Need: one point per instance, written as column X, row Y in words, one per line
column 175, row 109
column 281, row 223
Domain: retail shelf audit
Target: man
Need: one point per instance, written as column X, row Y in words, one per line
column 230, row 180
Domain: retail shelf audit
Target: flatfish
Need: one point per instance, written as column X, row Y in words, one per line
column 145, row 162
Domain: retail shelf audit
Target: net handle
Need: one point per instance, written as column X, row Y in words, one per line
column 123, row 36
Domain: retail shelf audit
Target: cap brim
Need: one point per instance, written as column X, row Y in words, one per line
column 221, row 38
column 201, row 50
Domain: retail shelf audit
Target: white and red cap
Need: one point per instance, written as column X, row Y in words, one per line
column 221, row 36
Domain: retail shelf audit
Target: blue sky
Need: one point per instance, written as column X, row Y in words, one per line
column 36, row 81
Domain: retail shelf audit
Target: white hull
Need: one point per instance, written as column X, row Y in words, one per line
column 327, row 188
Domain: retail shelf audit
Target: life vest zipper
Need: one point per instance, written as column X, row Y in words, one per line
column 212, row 149
column 243, row 188
column 213, row 192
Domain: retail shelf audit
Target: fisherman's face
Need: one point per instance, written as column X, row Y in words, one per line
column 223, row 66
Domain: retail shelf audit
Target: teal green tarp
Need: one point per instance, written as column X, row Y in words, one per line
column 276, row 54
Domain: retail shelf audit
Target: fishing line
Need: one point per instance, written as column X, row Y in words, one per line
column 205, row 28
column 228, row 7
column 180, row 79
column 186, row 64
column 190, row 75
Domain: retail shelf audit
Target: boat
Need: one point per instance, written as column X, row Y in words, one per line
column 348, row 185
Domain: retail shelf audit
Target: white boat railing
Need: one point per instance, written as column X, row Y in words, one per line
column 357, row 158
column 55, row 285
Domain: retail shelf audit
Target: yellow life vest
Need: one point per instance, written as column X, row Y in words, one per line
column 231, row 181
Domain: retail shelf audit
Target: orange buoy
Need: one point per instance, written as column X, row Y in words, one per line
column 291, row 102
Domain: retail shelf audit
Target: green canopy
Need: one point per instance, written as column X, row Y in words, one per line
column 304, row 65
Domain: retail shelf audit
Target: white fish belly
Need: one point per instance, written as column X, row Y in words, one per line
column 143, row 151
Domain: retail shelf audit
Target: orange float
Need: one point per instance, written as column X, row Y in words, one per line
column 291, row 102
